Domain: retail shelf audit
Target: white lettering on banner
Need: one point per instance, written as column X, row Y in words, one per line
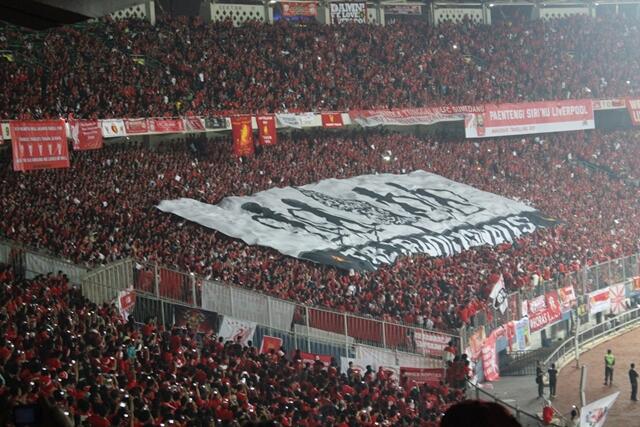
column 348, row 12
column 365, row 221
column 237, row 330
column 430, row 344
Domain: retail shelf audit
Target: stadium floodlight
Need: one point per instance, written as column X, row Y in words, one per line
column 491, row 4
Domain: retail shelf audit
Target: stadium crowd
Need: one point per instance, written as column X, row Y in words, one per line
column 129, row 68
column 103, row 209
column 75, row 359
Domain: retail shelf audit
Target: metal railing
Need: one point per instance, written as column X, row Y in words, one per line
column 609, row 328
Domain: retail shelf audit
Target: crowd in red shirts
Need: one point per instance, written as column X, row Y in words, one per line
column 130, row 68
column 103, row 209
column 85, row 362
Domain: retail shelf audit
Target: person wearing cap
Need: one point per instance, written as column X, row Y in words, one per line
column 609, row 362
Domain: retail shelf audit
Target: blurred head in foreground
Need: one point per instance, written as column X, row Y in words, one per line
column 478, row 414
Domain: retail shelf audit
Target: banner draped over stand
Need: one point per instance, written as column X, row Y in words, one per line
column 368, row 220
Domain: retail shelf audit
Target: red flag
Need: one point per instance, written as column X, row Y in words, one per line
column 270, row 343
column 39, row 144
column 85, row 134
column 332, row 120
column 136, row 126
column 242, row 136
column 267, row 130
column 194, row 124
column 162, row 125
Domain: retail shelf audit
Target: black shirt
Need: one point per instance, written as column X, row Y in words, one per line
column 633, row 376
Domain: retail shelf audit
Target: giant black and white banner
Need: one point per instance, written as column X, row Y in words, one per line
column 342, row 12
column 368, row 220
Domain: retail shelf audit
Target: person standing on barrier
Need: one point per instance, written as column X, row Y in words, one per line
column 553, row 377
column 609, row 362
column 540, row 379
column 633, row 379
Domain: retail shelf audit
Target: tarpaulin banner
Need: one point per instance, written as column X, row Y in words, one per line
column 197, row 320
column 490, row 359
column 418, row 376
column 270, row 343
column 242, row 136
column 215, row 122
column 296, row 121
column 595, row 413
column 193, row 124
column 233, row 329
column 332, row 120
column 160, row 125
column 355, row 12
column 299, row 8
column 413, row 116
column 112, row 128
column 609, row 104
column 523, row 334
column 368, row 220
column 430, row 343
column 567, row 296
column 126, row 302
column 39, row 144
column 86, row 134
column 136, row 126
column 599, row 301
column 402, row 9
column 475, row 343
column 266, row 130
column 633, row 106
column 544, row 310
column 530, row 117
column 617, row 298
column 553, row 306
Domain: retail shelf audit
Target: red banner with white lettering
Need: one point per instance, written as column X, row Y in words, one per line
column 299, row 8
column 266, row 130
column 39, row 144
column 419, row 376
column 633, row 106
column 85, row 134
column 242, row 136
column 136, row 126
column 530, row 117
column 544, row 310
column 413, row 116
column 489, row 359
column 311, row 358
column 332, row 120
column 160, row 125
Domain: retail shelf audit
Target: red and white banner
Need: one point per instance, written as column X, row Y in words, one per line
column 498, row 295
column 126, row 302
column 412, row 116
column 270, row 343
column 403, row 9
column 160, row 125
column 544, row 310
column 233, row 330
column 194, row 124
column 617, row 297
column 489, row 359
column 242, row 136
column 39, row 144
column 599, row 301
column 136, row 126
column 633, row 106
column 112, row 128
column 567, row 297
column 332, row 120
column 595, row 413
column 197, row 320
column 266, row 130
column 608, row 104
column 299, row 8
column 430, row 344
column 85, row 134
column 553, row 306
column 530, row 117
column 419, row 376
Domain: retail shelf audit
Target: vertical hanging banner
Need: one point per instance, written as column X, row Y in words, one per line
column 332, row 120
column 266, row 130
column 39, row 144
column 86, row 134
column 633, row 106
column 242, row 136
column 126, row 302
column 489, row 359
column 617, row 298
column 530, row 117
column 342, row 12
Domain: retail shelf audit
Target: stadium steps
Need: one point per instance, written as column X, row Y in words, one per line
column 521, row 363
